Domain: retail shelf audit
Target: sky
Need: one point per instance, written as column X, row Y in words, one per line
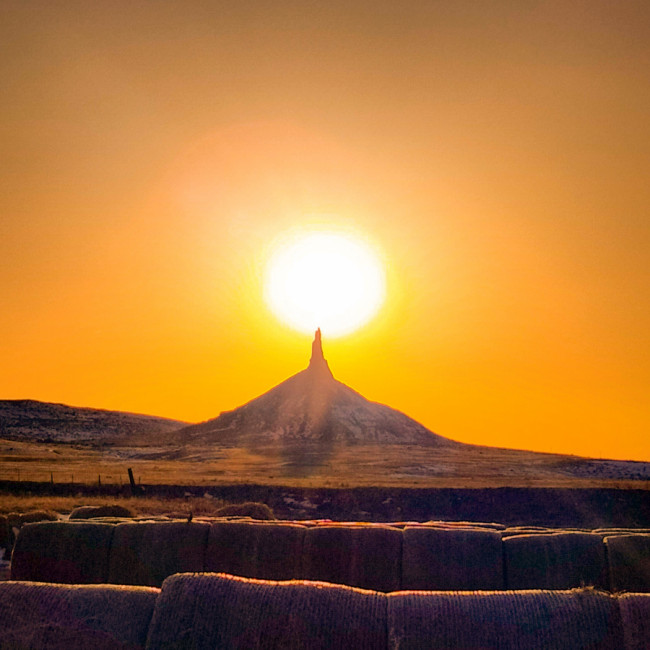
column 494, row 154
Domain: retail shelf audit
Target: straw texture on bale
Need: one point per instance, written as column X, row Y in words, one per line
column 255, row 550
column 359, row 556
column 527, row 620
column 75, row 617
column 146, row 553
column 621, row 531
column 629, row 562
column 635, row 614
column 434, row 558
column 466, row 524
column 556, row 561
column 528, row 530
column 220, row 611
column 90, row 512
column 65, row 552
column 250, row 509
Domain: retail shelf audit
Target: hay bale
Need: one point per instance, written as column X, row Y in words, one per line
column 220, row 611
column 635, row 615
column 109, row 510
column 556, row 561
column 359, row 556
column 629, row 562
column 505, row 620
column 433, row 558
column 74, row 617
column 15, row 521
column 255, row 550
column 250, row 509
column 65, row 552
column 6, row 540
column 37, row 515
column 146, row 553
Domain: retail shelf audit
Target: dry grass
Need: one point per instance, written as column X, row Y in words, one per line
column 139, row 505
column 354, row 466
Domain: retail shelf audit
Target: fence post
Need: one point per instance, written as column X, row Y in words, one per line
column 134, row 487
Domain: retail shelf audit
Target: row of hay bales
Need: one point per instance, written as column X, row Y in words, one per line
column 207, row 611
column 11, row 523
column 371, row 556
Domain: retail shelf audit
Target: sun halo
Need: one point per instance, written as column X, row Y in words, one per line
column 325, row 279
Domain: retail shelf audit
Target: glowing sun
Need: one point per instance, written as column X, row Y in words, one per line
column 330, row 280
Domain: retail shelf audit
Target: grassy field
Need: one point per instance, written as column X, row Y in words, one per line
column 340, row 467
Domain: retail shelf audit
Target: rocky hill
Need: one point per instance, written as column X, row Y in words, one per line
column 33, row 421
column 312, row 407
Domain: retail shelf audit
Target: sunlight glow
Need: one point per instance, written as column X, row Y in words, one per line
column 324, row 279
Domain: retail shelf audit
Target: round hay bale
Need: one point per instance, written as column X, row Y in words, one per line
column 250, row 509
column 368, row 557
column 534, row 620
column 109, row 510
column 635, row 614
column 556, row 561
column 64, row 552
column 220, row 611
column 255, row 550
column 56, row 616
column 6, row 541
column 15, row 521
column 37, row 515
column 629, row 562
column 146, row 553
column 435, row 558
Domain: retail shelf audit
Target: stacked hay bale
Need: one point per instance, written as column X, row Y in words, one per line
column 219, row 611
column 434, row 558
column 629, row 562
column 33, row 516
column 74, row 617
column 16, row 520
column 65, row 552
column 146, row 553
column 635, row 615
column 506, row 620
column 110, row 510
column 255, row 550
column 555, row 561
column 363, row 556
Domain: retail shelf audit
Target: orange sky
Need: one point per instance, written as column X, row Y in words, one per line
column 497, row 154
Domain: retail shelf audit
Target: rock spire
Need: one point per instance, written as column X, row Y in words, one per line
column 317, row 361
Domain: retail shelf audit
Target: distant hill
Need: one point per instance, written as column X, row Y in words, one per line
column 308, row 426
column 34, row 421
column 312, row 407
column 312, row 423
